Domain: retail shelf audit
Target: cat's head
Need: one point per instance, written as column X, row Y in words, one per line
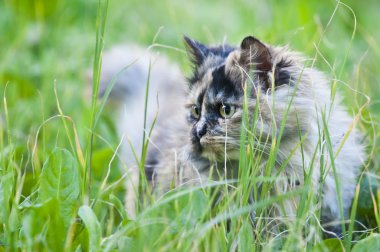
column 216, row 91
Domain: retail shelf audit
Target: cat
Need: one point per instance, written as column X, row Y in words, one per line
column 200, row 130
column 274, row 79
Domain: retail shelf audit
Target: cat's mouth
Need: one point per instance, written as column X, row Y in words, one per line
column 208, row 144
column 216, row 150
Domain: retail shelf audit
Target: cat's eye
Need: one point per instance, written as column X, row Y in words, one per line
column 195, row 111
column 226, row 110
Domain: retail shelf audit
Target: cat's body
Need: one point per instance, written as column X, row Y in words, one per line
column 279, row 85
column 132, row 68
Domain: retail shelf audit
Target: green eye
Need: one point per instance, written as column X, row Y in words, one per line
column 195, row 111
column 226, row 111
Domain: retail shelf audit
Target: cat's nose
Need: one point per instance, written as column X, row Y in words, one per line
column 201, row 130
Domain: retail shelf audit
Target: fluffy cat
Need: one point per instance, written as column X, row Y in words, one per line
column 276, row 80
column 202, row 128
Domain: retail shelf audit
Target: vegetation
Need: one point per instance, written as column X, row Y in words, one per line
column 60, row 186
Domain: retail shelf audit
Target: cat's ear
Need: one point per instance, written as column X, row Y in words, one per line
column 196, row 51
column 256, row 54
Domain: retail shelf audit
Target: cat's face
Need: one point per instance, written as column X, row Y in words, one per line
column 215, row 114
column 215, row 100
column 216, row 93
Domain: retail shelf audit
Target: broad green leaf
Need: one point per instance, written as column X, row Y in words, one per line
column 369, row 244
column 368, row 184
column 60, row 181
column 246, row 237
column 119, row 206
column 127, row 244
column 333, row 245
column 92, row 226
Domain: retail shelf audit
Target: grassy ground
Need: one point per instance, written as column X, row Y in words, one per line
column 54, row 198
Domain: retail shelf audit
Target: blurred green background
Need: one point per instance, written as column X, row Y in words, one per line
column 48, row 43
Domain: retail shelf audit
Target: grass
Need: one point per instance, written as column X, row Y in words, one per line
column 61, row 188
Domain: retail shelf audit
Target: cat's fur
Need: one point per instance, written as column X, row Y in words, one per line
column 199, row 137
column 132, row 67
